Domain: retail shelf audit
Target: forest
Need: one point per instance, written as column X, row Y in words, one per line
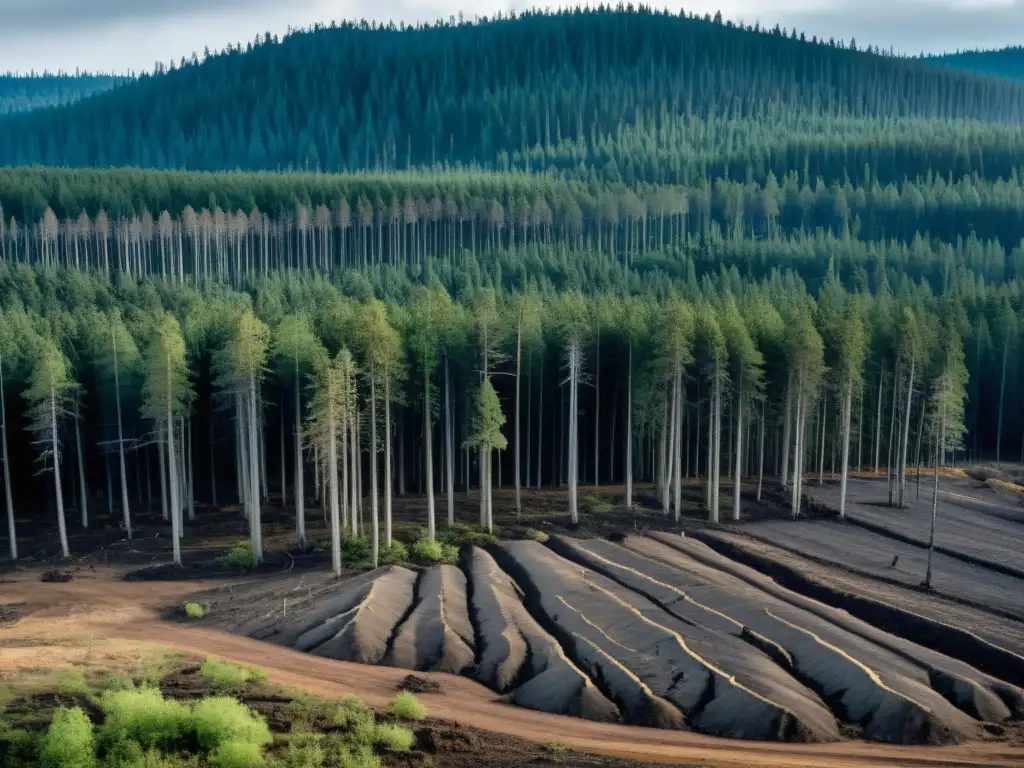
column 23, row 93
column 643, row 248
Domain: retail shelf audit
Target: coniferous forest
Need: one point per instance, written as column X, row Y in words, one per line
column 576, row 248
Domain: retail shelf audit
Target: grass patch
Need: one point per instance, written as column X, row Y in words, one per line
column 557, row 750
column 596, row 505
column 462, row 533
column 394, row 738
column 357, row 757
column 116, row 682
column 6, row 696
column 194, row 611
column 72, row 681
column 226, row 677
column 240, row 557
column 405, row 706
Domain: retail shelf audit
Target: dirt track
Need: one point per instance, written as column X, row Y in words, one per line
column 59, row 616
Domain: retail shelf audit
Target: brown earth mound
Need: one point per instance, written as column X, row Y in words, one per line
column 607, row 627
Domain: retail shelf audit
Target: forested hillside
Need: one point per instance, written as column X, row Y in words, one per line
column 680, row 247
column 1004, row 62
column 24, row 93
column 576, row 90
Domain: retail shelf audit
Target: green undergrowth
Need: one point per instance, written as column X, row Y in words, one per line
column 240, row 557
column 410, row 546
column 114, row 719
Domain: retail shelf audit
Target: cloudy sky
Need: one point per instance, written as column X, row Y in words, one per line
column 121, row 35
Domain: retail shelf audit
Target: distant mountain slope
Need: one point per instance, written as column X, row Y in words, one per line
column 1005, row 62
column 23, row 93
column 492, row 93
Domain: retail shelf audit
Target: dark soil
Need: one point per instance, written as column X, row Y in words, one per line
column 11, row 614
column 415, row 684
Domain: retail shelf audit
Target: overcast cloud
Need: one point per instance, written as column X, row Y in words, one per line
column 122, row 35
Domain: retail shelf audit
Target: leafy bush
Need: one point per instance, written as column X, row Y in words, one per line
column 114, row 682
column 596, row 505
column 351, row 713
column 405, row 706
column 194, row 611
column 128, row 754
column 462, row 533
column 69, row 742
column 240, row 557
column 395, row 738
column 358, row 757
column 144, row 716
column 304, row 752
column 427, row 552
column 237, row 754
column 356, row 551
column 226, row 677
column 18, row 748
column 395, row 554
column 220, row 720
column 72, row 681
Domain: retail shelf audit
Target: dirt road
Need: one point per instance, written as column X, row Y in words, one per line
column 57, row 617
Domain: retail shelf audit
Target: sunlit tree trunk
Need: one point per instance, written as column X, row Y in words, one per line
column 8, row 496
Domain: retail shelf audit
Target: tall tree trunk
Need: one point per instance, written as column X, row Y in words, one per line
column 163, row 477
column 739, row 451
column 1002, row 393
column 797, row 445
column 374, row 512
column 573, row 468
column 935, row 506
column 671, row 458
column 677, row 470
column 629, row 429
column 715, row 486
column 847, row 407
column 878, row 420
column 906, row 435
column 12, row 537
column 760, row 453
column 540, row 423
column 597, row 411
column 822, row 427
column 55, row 447
column 300, row 493
column 428, row 457
column 283, row 439
column 519, row 368
column 125, row 513
column 387, row 462
column 332, row 487
column 83, row 493
column 449, row 444
column 172, row 475
column 255, row 521
column 787, row 429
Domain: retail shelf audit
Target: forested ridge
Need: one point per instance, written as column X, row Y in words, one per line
column 583, row 247
column 26, row 92
column 1004, row 62
column 500, row 92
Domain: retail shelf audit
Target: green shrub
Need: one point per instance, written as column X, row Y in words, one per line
column 558, row 750
column 405, row 706
column 304, row 752
column 18, row 748
column 128, row 754
column 395, row 738
column 220, row 720
column 237, row 754
column 69, row 741
column 427, row 552
column 225, row 677
column 351, row 713
column 462, row 533
column 114, row 682
column 240, row 557
column 194, row 611
column 358, row 757
column 72, row 681
column 356, row 551
column 596, row 505
column 395, row 554
column 144, row 716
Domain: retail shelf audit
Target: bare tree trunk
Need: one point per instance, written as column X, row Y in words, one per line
column 428, row 458
column 8, row 497
column 847, row 407
column 172, row 475
column 677, row 429
column 878, row 420
column 935, row 505
column 387, row 462
column 540, row 423
column 906, row 436
column 449, row 444
column 254, row 473
column 1002, row 393
column 822, row 428
column 374, row 512
column 300, row 493
column 83, row 493
column 715, row 486
column 760, row 453
column 629, row 430
column 163, row 478
column 670, row 429
column 574, row 369
column 737, row 487
column 787, row 427
column 519, row 350
column 55, row 447
column 332, row 489
column 797, row 445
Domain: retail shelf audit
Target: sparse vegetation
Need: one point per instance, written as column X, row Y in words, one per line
column 557, row 750
column 405, row 706
column 240, row 557
column 227, row 677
